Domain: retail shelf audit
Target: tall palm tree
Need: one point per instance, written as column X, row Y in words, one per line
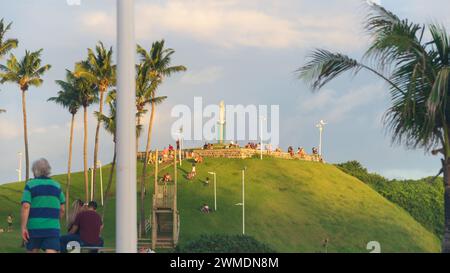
column 158, row 60
column 87, row 96
column 417, row 72
column 68, row 97
column 6, row 45
column 25, row 72
column 99, row 69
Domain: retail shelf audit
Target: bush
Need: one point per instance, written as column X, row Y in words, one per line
column 423, row 200
column 224, row 244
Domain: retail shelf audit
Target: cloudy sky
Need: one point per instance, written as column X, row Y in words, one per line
column 244, row 52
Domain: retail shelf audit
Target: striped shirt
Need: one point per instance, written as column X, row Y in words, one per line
column 45, row 198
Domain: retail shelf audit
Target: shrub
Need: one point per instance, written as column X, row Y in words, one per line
column 422, row 199
column 224, row 244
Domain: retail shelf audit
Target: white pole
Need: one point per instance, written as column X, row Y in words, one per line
column 260, row 137
column 215, row 193
column 126, row 209
column 243, row 202
column 320, row 140
column 19, row 170
column 92, row 183
column 101, row 182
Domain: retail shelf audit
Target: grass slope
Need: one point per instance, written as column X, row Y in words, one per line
column 290, row 205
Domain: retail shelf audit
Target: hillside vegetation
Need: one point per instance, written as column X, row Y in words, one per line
column 423, row 198
column 291, row 206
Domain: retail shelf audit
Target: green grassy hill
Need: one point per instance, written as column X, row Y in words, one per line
column 292, row 206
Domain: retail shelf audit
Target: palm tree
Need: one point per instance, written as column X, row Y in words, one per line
column 69, row 98
column 8, row 44
column 87, row 96
column 26, row 72
column 417, row 71
column 99, row 69
column 158, row 60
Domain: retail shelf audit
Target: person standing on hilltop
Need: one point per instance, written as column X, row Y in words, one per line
column 42, row 209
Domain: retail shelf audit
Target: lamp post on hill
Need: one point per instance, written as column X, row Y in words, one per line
column 215, row 190
column 243, row 200
column 321, row 126
column 19, row 170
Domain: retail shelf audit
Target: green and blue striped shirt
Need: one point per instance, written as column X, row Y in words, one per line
column 45, row 198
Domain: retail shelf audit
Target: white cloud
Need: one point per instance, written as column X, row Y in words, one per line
column 230, row 24
column 336, row 106
column 8, row 129
column 203, row 76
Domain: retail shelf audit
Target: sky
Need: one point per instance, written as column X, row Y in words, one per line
column 242, row 52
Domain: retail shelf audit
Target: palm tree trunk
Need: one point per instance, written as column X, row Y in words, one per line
column 69, row 166
column 111, row 175
column 144, row 170
column 97, row 131
column 86, row 177
column 25, row 135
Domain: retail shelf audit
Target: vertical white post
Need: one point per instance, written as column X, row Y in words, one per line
column 243, row 202
column 215, row 193
column 19, row 170
column 92, row 183
column 126, row 208
column 101, row 182
column 320, row 141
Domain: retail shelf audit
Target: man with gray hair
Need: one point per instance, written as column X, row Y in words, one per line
column 42, row 209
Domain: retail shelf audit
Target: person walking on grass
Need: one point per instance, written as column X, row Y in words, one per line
column 42, row 209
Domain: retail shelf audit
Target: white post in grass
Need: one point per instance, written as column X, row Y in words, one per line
column 126, row 208
column 99, row 164
column 321, row 126
column 215, row 190
column 243, row 200
column 19, row 170
column 92, row 183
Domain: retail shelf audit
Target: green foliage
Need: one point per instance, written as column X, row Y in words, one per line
column 421, row 198
column 225, row 244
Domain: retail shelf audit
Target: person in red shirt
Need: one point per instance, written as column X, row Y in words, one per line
column 86, row 228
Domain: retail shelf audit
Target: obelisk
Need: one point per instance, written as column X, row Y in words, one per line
column 221, row 122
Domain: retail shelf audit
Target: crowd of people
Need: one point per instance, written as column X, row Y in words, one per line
column 43, row 208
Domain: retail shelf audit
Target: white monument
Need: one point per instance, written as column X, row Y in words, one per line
column 221, row 123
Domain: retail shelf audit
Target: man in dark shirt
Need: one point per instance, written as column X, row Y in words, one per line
column 86, row 229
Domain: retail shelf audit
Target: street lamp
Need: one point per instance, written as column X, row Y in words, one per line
column 243, row 200
column 321, row 126
column 262, row 118
column 215, row 190
column 99, row 164
column 19, row 170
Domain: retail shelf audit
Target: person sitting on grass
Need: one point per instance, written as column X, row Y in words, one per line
column 9, row 220
column 206, row 182
column 167, row 178
column 86, row 229
column 205, row 208
column 42, row 209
